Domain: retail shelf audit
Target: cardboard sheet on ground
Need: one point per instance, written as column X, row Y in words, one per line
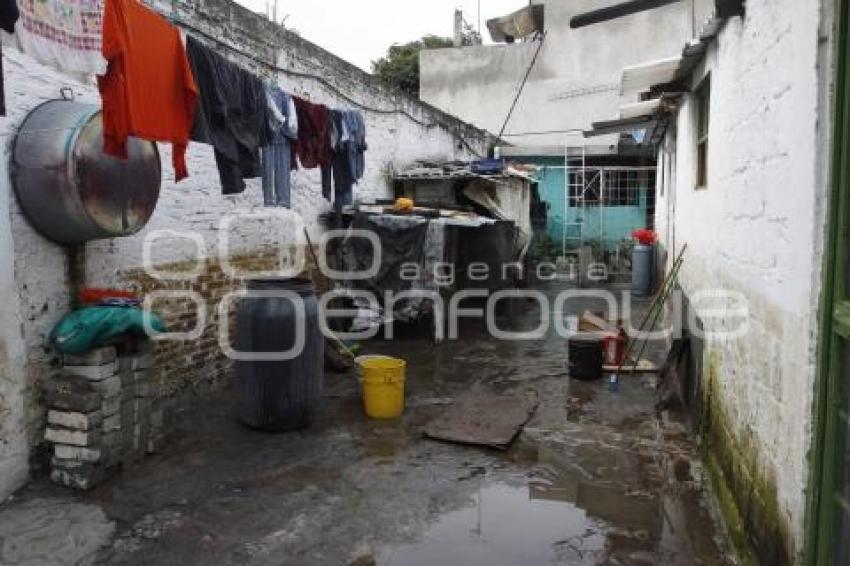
column 483, row 418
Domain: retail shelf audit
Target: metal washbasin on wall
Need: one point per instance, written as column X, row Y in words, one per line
column 72, row 192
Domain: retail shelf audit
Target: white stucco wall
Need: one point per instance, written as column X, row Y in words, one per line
column 757, row 230
column 14, row 448
column 575, row 81
column 33, row 270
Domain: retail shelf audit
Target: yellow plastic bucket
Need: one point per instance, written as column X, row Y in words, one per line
column 383, row 386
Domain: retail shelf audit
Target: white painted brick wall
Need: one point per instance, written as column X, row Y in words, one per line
column 14, row 448
column 33, row 271
column 757, row 230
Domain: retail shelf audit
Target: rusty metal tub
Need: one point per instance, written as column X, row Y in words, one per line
column 71, row 191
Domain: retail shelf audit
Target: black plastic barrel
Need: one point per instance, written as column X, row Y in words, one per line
column 278, row 395
column 585, row 358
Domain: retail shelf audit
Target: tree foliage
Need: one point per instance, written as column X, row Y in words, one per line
column 400, row 67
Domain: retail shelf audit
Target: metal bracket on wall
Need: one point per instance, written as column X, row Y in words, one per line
column 728, row 8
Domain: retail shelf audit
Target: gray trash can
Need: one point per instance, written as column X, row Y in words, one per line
column 642, row 262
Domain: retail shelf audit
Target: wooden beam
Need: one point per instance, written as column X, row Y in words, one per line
column 616, row 11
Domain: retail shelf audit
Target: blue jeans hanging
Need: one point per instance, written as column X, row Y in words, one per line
column 277, row 184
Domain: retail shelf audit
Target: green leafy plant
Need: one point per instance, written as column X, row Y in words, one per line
column 400, row 67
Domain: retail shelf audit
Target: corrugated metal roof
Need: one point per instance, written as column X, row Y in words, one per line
column 623, row 125
column 645, row 108
column 653, row 76
column 664, row 80
column 434, row 174
column 638, row 78
column 452, row 171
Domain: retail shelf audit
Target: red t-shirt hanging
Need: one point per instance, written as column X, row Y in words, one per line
column 148, row 90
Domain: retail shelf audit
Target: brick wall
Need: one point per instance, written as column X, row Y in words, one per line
column 199, row 365
column 399, row 131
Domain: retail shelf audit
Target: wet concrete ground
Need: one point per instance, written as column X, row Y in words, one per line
column 596, row 477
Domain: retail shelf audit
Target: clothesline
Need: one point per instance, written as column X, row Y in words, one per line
column 329, row 85
column 159, row 83
column 165, row 88
column 302, row 74
column 307, row 75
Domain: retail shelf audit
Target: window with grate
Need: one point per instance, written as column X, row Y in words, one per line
column 584, row 188
column 623, row 187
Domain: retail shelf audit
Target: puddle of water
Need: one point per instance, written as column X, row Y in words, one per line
column 505, row 525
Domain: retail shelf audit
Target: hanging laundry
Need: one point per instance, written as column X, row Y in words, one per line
column 339, row 169
column 347, row 140
column 355, row 143
column 233, row 115
column 9, row 14
column 312, row 145
column 63, row 33
column 148, row 90
column 277, row 154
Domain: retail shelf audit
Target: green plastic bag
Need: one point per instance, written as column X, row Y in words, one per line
column 91, row 327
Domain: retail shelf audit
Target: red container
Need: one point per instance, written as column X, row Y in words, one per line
column 645, row 237
column 613, row 348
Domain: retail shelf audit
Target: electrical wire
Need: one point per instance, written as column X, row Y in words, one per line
column 522, row 85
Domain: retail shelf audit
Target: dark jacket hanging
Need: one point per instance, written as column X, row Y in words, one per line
column 8, row 16
column 232, row 115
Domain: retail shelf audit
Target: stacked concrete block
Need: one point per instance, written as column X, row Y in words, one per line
column 100, row 414
column 75, row 421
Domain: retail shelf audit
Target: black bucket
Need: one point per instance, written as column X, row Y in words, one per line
column 279, row 395
column 585, row 358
